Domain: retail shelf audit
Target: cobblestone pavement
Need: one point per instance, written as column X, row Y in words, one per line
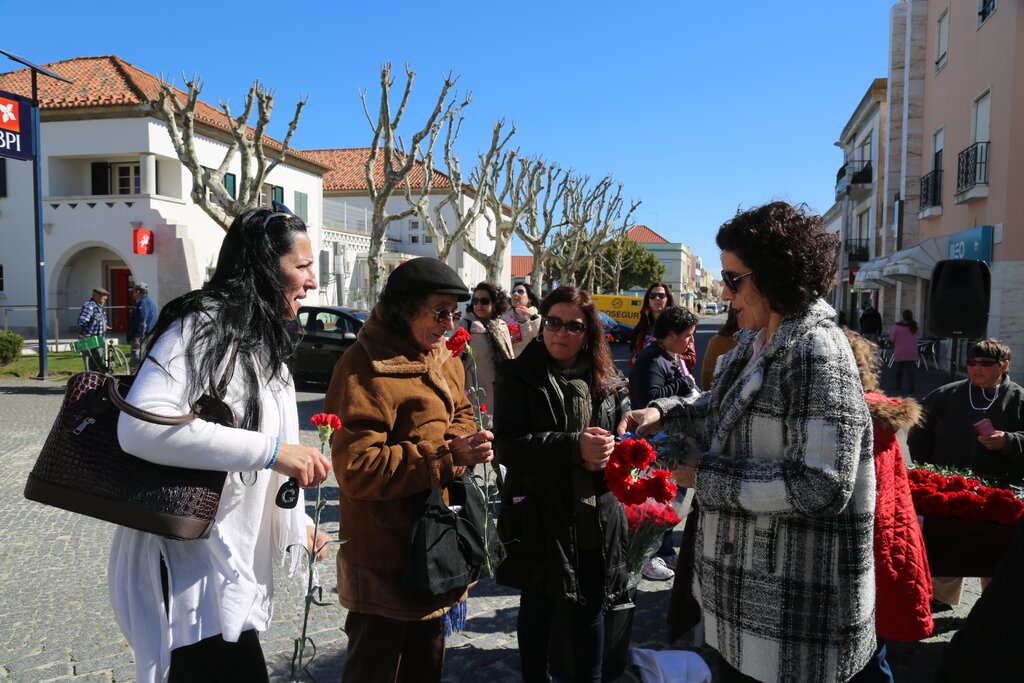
column 56, row 624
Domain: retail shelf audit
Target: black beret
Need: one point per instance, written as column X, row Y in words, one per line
column 426, row 276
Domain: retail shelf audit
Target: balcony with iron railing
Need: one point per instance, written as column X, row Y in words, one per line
column 858, row 250
column 853, row 176
column 972, row 173
column 931, row 194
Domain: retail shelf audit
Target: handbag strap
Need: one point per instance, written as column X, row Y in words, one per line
column 114, row 393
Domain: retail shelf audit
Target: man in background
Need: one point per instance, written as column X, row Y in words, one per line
column 870, row 322
column 92, row 321
column 141, row 321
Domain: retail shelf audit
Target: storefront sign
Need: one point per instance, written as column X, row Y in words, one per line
column 15, row 126
column 972, row 245
column 143, row 241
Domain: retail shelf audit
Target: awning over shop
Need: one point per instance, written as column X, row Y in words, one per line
column 870, row 275
column 914, row 263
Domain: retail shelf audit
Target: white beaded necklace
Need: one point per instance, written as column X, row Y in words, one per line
column 970, row 396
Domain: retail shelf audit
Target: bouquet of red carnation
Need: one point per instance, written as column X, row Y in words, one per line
column 646, row 494
column 953, row 495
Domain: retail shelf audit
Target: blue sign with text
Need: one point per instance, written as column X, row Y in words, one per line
column 973, row 245
column 15, row 126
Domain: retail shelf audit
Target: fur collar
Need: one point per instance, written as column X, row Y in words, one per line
column 892, row 413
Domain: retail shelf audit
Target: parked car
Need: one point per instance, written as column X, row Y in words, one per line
column 620, row 332
column 326, row 333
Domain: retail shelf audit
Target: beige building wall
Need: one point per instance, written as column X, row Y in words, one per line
column 981, row 57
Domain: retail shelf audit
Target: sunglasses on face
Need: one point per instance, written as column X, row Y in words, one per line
column 983, row 362
column 732, row 279
column 657, row 295
column 441, row 315
column 519, row 291
column 573, row 327
column 480, row 301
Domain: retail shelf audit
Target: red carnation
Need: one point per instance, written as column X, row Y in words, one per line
column 325, row 420
column 483, row 407
column 457, row 343
column 660, row 486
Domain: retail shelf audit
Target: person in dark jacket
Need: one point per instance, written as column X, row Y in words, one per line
column 563, row 530
column 870, row 322
column 141, row 321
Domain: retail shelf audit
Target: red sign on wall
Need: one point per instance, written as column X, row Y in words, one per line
column 143, row 240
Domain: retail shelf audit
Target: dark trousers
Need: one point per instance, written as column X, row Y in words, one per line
column 875, row 671
column 382, row 649
column 910, row 367
column 586, row 624
column 215, row 659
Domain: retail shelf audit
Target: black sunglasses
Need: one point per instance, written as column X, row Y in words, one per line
column 983, row 362
column 483, row 301
column 519, row 291
column 441, row 315
column 732, row 279
column 573, row 327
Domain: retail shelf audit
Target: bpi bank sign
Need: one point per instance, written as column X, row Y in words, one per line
column 15, row 126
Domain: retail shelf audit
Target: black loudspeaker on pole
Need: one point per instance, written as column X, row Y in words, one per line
column 958, row 302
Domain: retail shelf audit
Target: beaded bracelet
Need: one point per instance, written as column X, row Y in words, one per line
column 273, row 458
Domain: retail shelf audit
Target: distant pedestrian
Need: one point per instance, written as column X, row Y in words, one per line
column 904, row 336
column 489, row 339
column 141, row 321
column 522, row 317
column 870, row 322
column 92, row 321
column 657, row 298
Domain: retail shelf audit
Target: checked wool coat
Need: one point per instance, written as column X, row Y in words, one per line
column 784, row 566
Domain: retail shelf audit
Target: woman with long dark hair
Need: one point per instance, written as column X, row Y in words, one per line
column 657, row 298
column 488, row 338
column 191, row 611
column 904, row 336
column 564, row 531
column 522, row 317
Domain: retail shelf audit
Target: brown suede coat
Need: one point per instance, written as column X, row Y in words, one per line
column 398, row 406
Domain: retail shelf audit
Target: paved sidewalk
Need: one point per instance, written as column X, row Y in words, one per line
column 56, row 624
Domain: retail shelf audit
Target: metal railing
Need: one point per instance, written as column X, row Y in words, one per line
column 858, row 249
column 972, row 167
column 859, row 171
column 931, row 189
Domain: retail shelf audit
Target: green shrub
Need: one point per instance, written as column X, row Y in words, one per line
column 10, row 347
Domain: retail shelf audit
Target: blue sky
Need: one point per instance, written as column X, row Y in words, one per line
column 698, row 108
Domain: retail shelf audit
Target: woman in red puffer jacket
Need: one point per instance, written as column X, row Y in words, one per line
column 902, row 578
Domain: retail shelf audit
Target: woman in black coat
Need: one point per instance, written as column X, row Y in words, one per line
column 563, row 530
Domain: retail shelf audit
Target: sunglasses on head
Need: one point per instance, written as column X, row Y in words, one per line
column 482, row 301
column 573, row 327
column 732, row 279
column 441, row 315
column 277, row 210
column 983, row 362
column 689, row 320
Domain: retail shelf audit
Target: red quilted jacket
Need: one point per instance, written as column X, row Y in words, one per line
column 902, row 579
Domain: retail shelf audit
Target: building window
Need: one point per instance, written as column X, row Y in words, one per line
column 231, row 185
column 269, row 193
column 427, row 239
column 301, row 207
column 414, row 225
column 278, row 193
column 126, row 178
column 942, row 40
column 414, row 239
column 985, row 10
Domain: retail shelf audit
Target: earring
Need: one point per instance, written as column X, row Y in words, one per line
column 586, row 347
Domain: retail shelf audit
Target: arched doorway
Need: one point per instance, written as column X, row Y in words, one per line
column 78, row 272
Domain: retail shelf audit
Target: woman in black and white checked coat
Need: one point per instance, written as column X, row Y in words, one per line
column 783, row 472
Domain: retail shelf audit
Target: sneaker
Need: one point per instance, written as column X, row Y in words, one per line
column 671, row 561
column 655, row 570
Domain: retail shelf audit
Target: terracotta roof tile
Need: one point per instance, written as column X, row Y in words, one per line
column 350, row 169
column 641, row 234
column 109, row 81
column 521, row 266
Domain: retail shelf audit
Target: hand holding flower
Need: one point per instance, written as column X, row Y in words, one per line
column 322, row 541
column 640, row 422
column 596, row 446
column 472, row 449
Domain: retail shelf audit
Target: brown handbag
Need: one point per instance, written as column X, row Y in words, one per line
column 83, row 469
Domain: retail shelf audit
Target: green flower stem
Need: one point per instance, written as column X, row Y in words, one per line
column 475, row 392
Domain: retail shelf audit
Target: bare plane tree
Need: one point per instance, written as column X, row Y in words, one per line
column 466, row 213
column 399, row 161
column 511, row 192
column 544, row 218
column 208, row 190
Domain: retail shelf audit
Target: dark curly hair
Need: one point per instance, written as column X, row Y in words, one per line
column 793, row 260
column 498, row 298
column 602, row 367
column 674, row 319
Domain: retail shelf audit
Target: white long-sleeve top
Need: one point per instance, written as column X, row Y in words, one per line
column 222, row 584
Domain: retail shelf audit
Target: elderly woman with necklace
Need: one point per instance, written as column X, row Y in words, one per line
column 949, row 435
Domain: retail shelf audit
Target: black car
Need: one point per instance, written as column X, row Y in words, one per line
column 620, row 333
column 326, row 333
